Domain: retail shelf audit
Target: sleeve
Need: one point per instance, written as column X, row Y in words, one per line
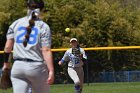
column 46, row 37
column 10, row 32
column 65, row 57
column 84, row 54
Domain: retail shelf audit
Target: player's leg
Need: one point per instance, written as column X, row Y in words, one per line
column 43, row 88
column 20, row 84
column 73, row 75
column 38, row 77
column 29, row 90
column 80, row 73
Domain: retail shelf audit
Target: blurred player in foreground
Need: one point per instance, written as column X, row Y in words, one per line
column 75, row 56
column 30, row 39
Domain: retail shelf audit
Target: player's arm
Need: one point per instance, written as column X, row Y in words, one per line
column 83, row 54
column 65, row 58
column 7, row 50
column 47, row 54
column 9, row 44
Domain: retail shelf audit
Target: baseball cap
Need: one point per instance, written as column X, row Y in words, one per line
column 73, row 39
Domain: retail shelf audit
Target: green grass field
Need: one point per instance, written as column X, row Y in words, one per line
column 127, row 87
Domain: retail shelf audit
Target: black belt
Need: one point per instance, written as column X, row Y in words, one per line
column 27, row 60
column 70, row 67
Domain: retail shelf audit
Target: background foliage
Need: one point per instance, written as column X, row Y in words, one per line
column 96, row 23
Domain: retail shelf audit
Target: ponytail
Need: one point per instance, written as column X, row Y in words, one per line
column 29, row 29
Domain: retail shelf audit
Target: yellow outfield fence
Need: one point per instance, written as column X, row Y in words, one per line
column 97, row 48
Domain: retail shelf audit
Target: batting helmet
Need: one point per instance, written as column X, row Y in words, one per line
column 33, row 4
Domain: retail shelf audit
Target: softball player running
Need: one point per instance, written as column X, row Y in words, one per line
column 75, row 56
column 30, row 39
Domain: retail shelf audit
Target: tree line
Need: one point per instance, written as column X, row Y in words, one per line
column 95, row 23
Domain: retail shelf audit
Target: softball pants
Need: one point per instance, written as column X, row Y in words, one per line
column 26, row 74
column 77, row 75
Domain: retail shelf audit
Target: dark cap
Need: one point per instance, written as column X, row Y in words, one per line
column 33, row 4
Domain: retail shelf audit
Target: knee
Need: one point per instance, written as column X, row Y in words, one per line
column 77, row 82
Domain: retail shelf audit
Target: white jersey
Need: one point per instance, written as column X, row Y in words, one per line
column 40, row 36
column 72, row 59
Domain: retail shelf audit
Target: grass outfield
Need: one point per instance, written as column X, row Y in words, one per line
column 133, row 87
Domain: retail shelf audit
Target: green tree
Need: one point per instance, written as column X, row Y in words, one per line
column 95, row 23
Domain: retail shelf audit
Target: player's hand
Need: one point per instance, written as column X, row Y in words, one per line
column 50, row 78
column 6, row 66
column 81, row 56
column 60, row 63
